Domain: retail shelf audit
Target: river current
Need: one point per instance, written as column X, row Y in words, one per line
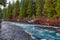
column 38, row 34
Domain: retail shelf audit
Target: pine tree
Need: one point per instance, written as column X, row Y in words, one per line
column 9, row 9
column 4, row 13
column 6, row 16
column 58, row 8
column 3, row 2
column 30, row 9
column 38, row 8
column 49, row 8
column 1, row 14
column 16, row 9
column 34, row 9
column 23, row 8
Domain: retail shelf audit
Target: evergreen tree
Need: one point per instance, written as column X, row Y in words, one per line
column 49, row 8
column 12, row 8
column 30, row 9
column 4, row 13
column 1, row 14
column 5, row 16
column 16, row 9
column 34, row 9
column 58, row 8
column 3, row 2
column 23, row 9
column 38, row 8
column 9, row 9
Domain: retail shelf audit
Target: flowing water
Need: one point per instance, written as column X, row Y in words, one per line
column 39, row 34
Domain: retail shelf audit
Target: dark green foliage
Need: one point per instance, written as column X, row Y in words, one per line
column 33, row 9
column 30, row 9
column 4, row 11
column 38, row 8
column 16, row 8
column 3, row 2
column 1, row 14
column 9, row 11
column 58, row 8
column 49, row 8
column 23, row 9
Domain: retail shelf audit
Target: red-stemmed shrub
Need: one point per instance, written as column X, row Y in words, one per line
column 46, row 21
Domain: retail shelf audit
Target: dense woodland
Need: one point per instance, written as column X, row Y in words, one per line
column 2, row 3
column 33, row 9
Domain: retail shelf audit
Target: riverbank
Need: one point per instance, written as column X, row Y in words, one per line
column 41, row 21
column 52, row 28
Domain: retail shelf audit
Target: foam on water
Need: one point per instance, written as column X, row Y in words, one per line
column 43, row 39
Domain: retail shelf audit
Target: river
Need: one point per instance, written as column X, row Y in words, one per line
column 37, row 33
